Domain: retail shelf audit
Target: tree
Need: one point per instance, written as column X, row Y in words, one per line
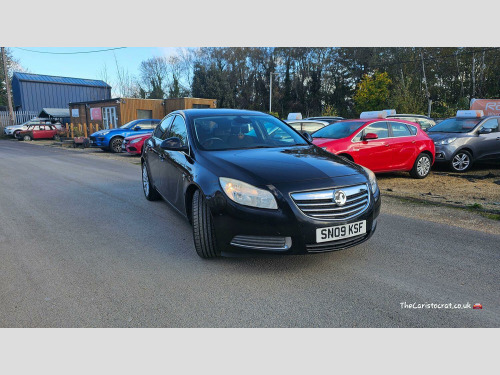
column 373, row 92
column 13, row 65
column 154, row 76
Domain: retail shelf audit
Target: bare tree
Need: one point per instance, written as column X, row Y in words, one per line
column 154, row 76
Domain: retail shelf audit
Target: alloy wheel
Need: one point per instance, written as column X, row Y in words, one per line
column 461, row 161
column 145, row 179
column 423, row 166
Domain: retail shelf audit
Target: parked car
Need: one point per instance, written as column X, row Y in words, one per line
column 466, row 138
column 380, row 144
column 328, row 119
column 424, row 121
column 134, row 143
column 244, row 190
column 111, row 139
column 307, row 126
column 38, row 132
column 14, row 129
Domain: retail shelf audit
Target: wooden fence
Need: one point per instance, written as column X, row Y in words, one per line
column 20, row 117
column 83, row 130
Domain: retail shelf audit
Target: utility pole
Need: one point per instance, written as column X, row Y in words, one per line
column 270, row 92
column 7, row 86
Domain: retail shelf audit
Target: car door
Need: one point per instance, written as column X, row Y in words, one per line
column 152, row 150
column 488, row 145
column 38, row 131
column 374, row 154
column 403, row 146
column 175, row 165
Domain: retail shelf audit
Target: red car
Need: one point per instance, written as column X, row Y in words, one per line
column 380, row 144
column 133, row 144
column 38, row 132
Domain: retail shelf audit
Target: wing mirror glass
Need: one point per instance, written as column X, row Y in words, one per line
column 307, row 136
column 485, row 131
column 173, row 144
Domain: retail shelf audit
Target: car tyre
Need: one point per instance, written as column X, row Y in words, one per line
column 149, row 190
column 421, row 167
column 16, row 133
column 115, row 145
column 461, row 161
column 27, row 138
column 203, row 228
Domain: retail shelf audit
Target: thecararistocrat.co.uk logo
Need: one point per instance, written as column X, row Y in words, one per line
column 477, row 306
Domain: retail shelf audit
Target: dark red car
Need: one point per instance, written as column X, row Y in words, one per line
column 380, row 144
column 38, row 132
column 133, row 144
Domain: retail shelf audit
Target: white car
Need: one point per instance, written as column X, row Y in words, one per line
column 13, row 129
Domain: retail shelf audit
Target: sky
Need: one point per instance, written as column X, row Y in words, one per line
column 86, row 65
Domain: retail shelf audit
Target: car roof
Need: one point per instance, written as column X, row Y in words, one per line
column 218, row 112
column 409, row 115
column 307, row 121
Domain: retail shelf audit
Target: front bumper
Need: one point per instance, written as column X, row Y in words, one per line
column 444, row 153
column 233, row 222
column 8, row 132
column 100, row 142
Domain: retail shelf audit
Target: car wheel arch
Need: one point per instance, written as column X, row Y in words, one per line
column 347, row 156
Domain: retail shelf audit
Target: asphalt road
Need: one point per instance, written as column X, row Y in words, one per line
column 80, row 246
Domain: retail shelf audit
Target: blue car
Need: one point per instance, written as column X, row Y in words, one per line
column 111, row 139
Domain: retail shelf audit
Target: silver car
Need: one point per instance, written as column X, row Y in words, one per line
column 307, row 126
column 460, row 141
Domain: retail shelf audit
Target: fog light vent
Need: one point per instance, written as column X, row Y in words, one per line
column 274, row 243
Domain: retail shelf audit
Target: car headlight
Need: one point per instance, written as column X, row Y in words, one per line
column 247, row 195
column 104, row 133
column 134, row 141
column 446, row 141
column 372, row 179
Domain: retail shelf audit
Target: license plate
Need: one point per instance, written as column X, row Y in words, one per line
column 340, row 231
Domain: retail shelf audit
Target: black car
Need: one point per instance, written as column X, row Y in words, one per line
column 248, row 182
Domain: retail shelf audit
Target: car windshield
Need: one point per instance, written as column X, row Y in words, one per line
column 339, row 130
column 455, row 125
column 128, row 125
column 242, row 132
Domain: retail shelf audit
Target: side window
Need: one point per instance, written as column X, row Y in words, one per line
column 178, row 129
column 162, row 127
column 413, row 130
column 399, row 130
column 379, row 128
column 491, row 124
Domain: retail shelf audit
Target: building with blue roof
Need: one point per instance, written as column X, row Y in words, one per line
column 33, row 92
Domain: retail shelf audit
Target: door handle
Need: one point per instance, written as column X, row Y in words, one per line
column 386, row 144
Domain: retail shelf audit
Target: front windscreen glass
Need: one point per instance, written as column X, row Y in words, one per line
column 339, row 130
column 455, row 125
column 241, row 132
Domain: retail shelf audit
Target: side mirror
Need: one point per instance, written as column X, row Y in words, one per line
column 137, row 128
column 308, row 136
column 173, row 144
column 369, row 136
column 485, row 131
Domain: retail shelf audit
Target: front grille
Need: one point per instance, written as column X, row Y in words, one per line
column 262, row 242
column 321, row 204
column 336, row 245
